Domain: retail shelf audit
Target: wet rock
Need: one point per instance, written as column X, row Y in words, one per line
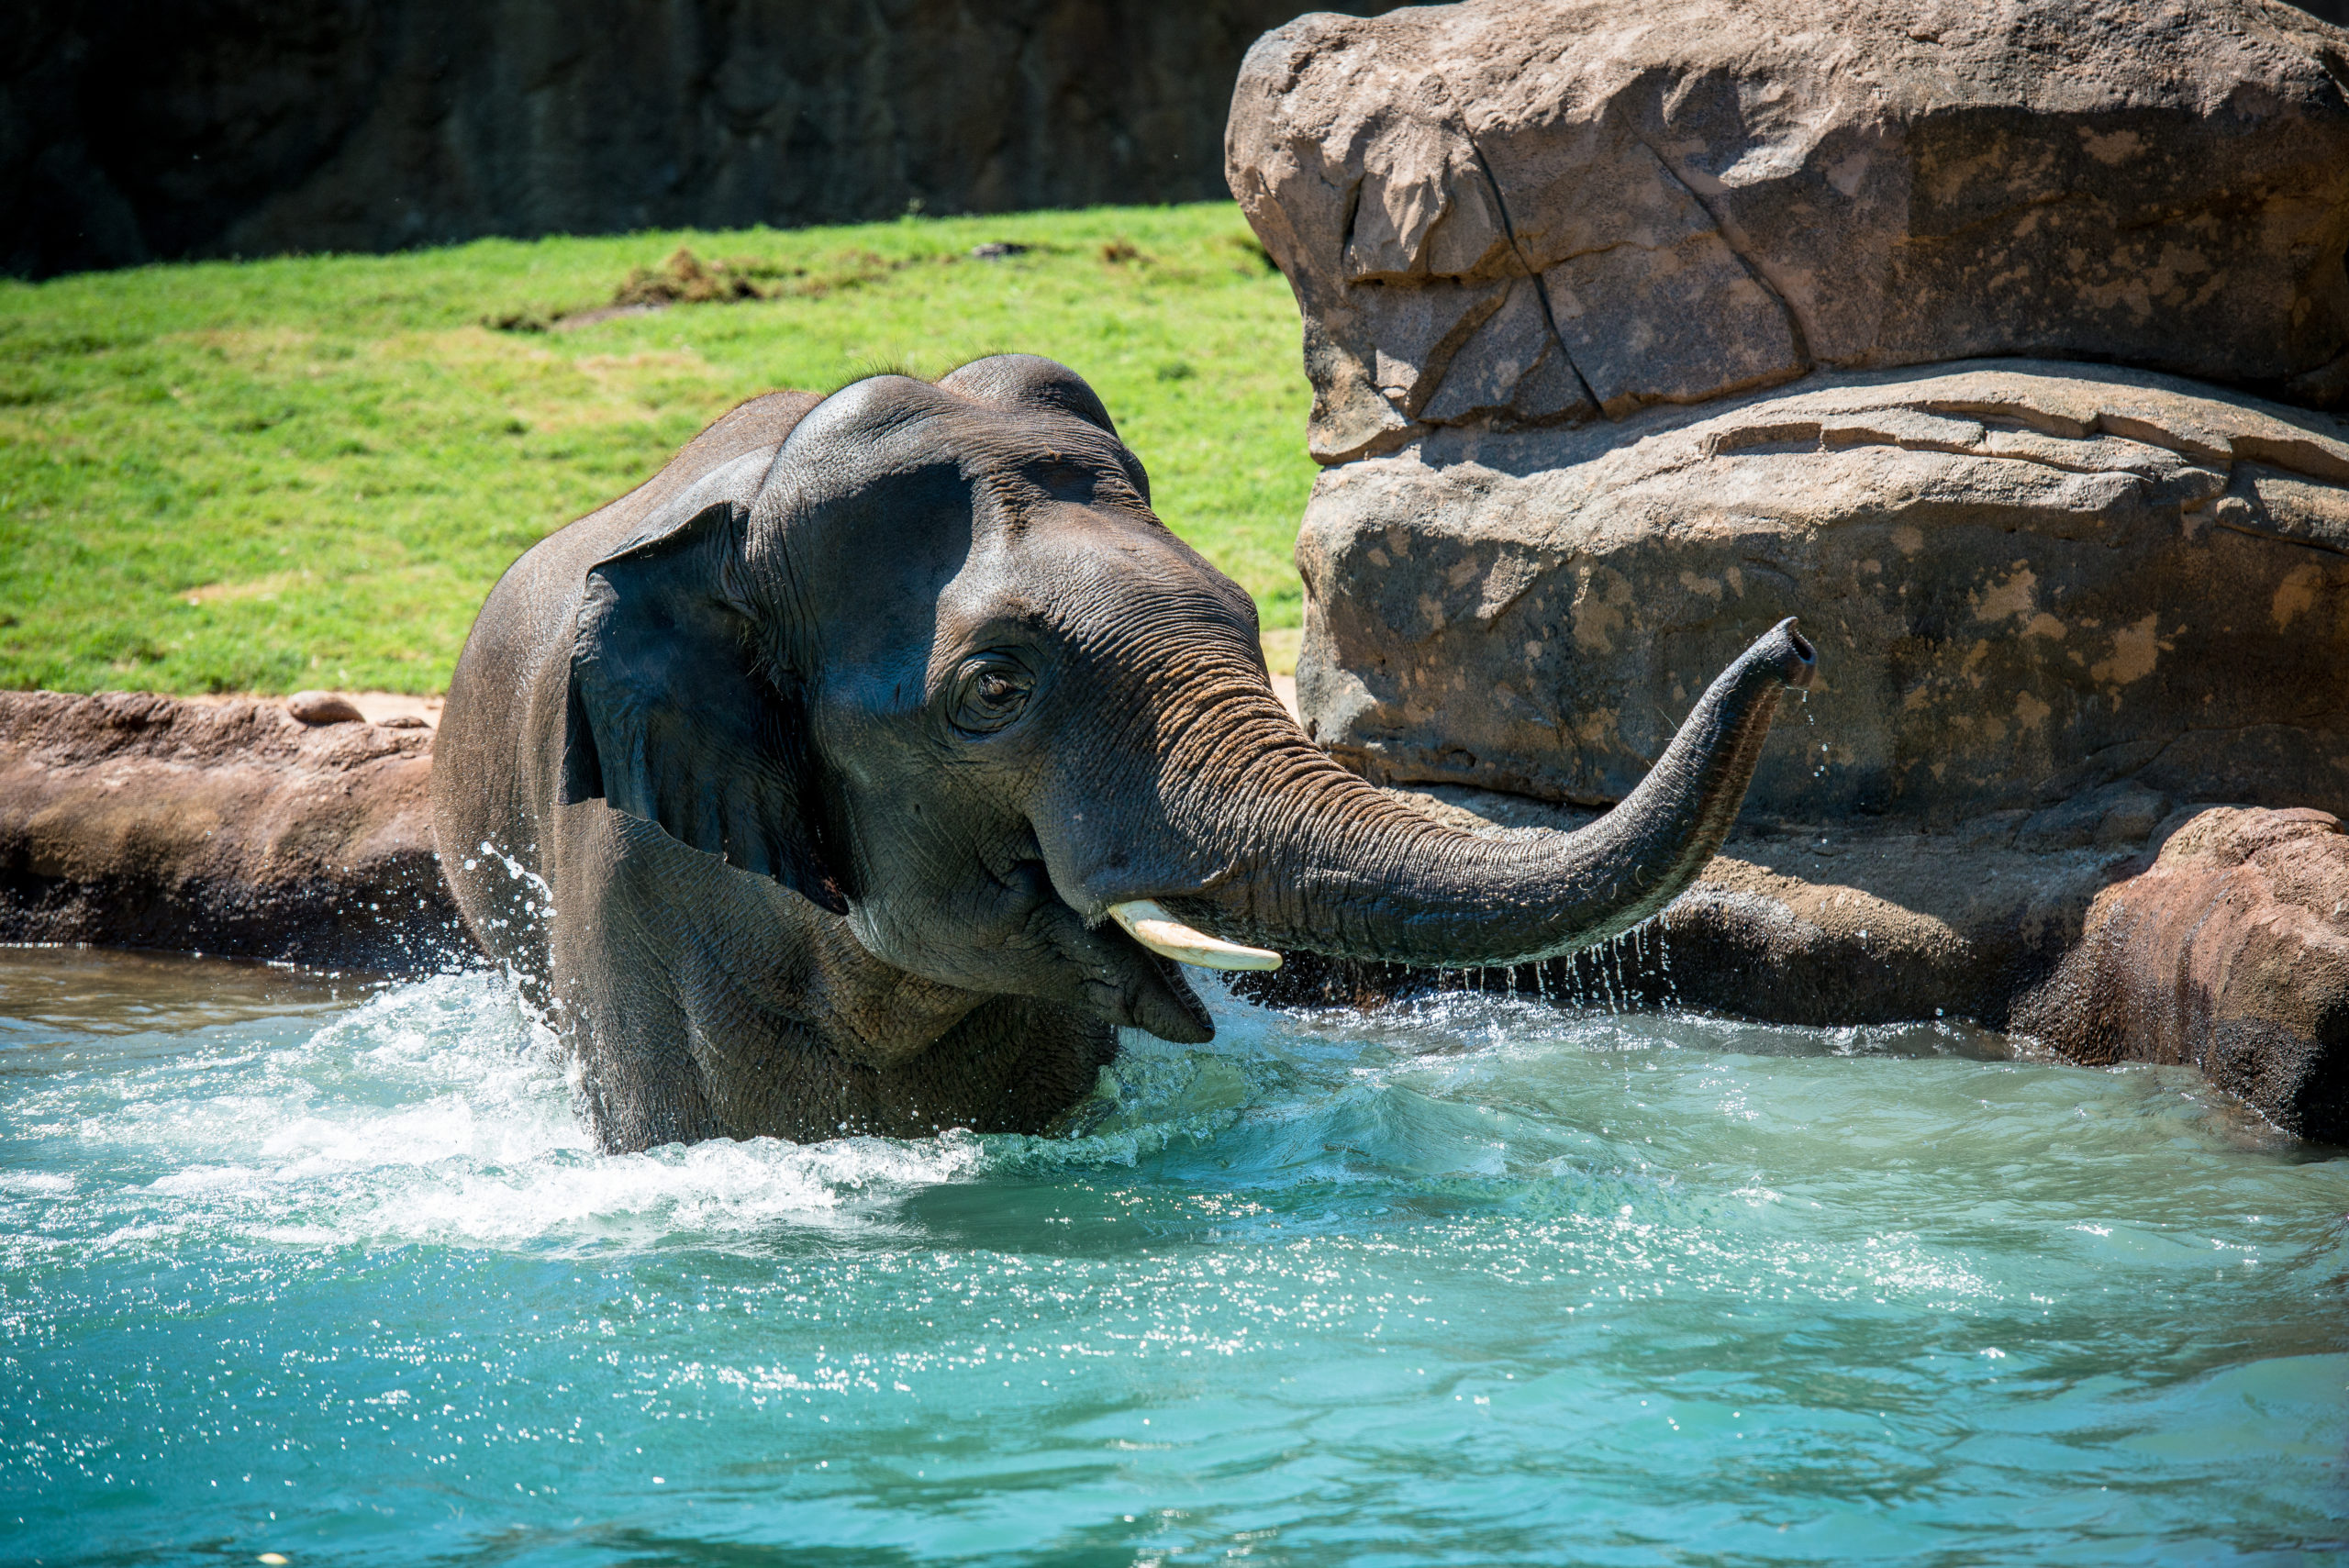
column 2123, row 812
column 2029, row 582
column 2230, row 953
column 2217, row 939
column 143, row 821
column 324, row 707
column 1506, row 212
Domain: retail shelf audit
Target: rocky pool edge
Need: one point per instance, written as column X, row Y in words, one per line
column 2119, row 926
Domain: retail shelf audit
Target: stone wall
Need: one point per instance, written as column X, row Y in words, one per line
column 1999, row 343
column 1564, row 210
column 144, row 130
column 1995, row 342
column 2027, row 581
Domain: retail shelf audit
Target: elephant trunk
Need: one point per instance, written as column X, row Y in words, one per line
column 1329, row 864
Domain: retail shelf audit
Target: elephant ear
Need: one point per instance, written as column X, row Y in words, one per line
column 672, row 717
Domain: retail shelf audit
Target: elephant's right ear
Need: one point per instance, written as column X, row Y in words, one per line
column 672, row 718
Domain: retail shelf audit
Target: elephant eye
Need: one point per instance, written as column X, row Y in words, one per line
column 990, row 692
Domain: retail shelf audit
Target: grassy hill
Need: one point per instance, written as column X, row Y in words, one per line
column 264, row 475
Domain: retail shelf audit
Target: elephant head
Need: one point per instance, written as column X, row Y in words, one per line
column 946, row 674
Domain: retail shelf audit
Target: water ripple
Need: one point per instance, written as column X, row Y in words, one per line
column 1472, row 1280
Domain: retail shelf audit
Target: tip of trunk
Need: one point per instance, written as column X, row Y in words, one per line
column 1788, row 651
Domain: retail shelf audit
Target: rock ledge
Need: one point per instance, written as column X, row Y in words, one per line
column 138, row 820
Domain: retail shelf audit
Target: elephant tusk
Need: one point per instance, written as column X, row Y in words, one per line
column 1148, row 923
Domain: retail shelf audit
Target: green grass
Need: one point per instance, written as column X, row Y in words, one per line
column 263, row 475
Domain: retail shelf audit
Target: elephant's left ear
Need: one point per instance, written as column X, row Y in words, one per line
column 672, row 717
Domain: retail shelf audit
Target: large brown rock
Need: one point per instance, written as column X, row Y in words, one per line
column 1514, row 212
column 143, row 821
column 2230, row 953
column 2029, row 582
column 2215, row 940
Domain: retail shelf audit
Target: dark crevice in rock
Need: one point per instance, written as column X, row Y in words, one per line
column 1346, row 230
column 2021, row 415
column 1541, row 290
column 2278, row 536
column 1729, row 242
column 1819, row 435
column 2293, row 455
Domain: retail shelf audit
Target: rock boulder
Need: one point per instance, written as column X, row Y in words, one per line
column 2074, row 593
column 2230, row 953
column 143, row 821
column 1513, row 212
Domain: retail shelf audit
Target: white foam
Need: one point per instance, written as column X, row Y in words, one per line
column 441, row 1111
column 717, row 1191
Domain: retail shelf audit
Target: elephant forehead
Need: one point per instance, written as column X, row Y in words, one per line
column 884, row 429
column 1107, row 594
column 1052, row 578
column 1075, row 565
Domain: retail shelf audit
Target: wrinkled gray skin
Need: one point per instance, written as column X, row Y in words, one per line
column 810, row 769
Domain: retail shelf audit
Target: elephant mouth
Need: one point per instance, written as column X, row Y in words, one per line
column 1105, row 969
column 1142, row 988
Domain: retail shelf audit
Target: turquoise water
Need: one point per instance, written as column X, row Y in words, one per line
column 329, row 1272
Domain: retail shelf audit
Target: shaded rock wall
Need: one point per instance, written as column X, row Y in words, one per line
column 149, row 129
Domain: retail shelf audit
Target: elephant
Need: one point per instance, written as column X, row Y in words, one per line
column 869, row 767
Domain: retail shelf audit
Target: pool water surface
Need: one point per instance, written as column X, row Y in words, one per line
column 330, row 1271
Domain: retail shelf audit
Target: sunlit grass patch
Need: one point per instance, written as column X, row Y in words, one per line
column 309, row 471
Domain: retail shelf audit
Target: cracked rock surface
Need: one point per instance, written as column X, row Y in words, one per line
column 1526, row 212
column 2028, row 582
